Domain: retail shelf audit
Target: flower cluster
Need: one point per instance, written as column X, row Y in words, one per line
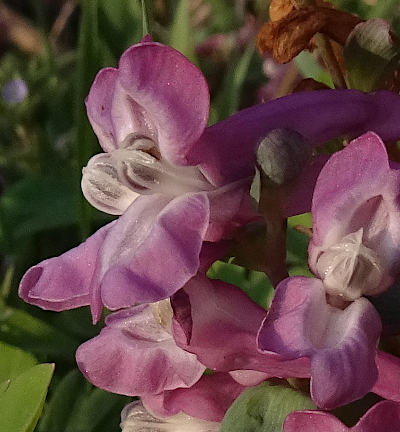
column 187, row 345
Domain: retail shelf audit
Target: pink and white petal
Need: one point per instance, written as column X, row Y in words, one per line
column 313, row 421
column 362, row 170
column 340, row 343
column 64, row 282
column 224, row 329
column 98, row 105
column 384, row 416
column 226, row 150
column 249, row 378
column 153, row 250
column 171, row 90
column 135, row 355
column 135, row 417
column 208, row 399
column 388, row 383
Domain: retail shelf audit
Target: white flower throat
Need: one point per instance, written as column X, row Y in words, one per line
column 350, row 269
column 112, row 181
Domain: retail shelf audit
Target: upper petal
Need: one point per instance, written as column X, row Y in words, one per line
column 64, row 282
column 340, row 343
column 135, row 355
column 98, row 105
column 226, row 150
column 153, row 249
column 171, row 90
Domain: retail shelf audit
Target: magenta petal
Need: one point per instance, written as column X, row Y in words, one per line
column 208, row 399
column 153, row 249
column 99, row 103
column 226, row 150
column 135, row 355
column 388, row 383
column 313, row 421
column 64, row 282
column 384, row 416
column 340, row 343
column 171, row 90
column 224, row 329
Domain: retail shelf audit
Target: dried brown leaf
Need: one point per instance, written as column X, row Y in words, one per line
column 279, row 9
column 290, row 35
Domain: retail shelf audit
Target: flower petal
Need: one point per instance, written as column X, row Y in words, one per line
column 226, row 150
column 64, row 282
column 135, row 418
column 388, row 383
column 171, row 90
column 313, row 421
column 384, row 416
column 98, row 105
column 357, row 189
column 153, row 249
column 208, row 399
column 135, row 355
column 340, row 343
column 224, row 328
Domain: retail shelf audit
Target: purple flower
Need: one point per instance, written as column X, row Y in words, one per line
column 341, row 343
column 150, row 116
column 355, row 248
column 384, row 416
column 14, row 91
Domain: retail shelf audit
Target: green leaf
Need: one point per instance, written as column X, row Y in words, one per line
column 310, row 68
column 22, row 402
column 255, row 284
column 370, row 55
column 13, row 361
column 181, row 35
column 21, row 329
column 264, row 409
column 297, row 246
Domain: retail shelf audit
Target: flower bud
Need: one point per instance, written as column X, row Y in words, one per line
column 282, row 154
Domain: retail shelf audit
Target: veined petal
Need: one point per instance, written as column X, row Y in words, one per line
column 340, row 343
column 135, row 418
column 224, row 329
column 98, row 105
column 171, row 90
column 208, row 399
column 64, row 282
column 135, row 354
column 356, row 190
column 153, row 249
column 226, row 150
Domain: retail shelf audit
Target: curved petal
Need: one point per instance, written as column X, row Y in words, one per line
column 135, row 355
column 388, row 383
column 357, row 189
column 384, row 416
column 64, row 282
column 171, row 90
column 153, row 249
column 98, row 105
column 340, row 343
column 208, row 399
column 224, row 329
column 226, row 150
column 313, row 421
